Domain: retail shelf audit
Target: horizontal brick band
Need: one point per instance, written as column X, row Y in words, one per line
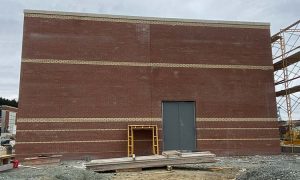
column 84, row 120
column 64, row 152
column 98, row 141
column 235, row 119
column 236, row 128
column 142, row 64
column 252, row 139
column 103, row 141
column 57, row 130
column 64, row 130
column 144, row 20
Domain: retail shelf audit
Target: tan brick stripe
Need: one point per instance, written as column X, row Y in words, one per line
column 62, row 152
column 250, row 139
column 261, row 129
column 144, row 64
column 84, row 120
column 145, row 20
column 104, row 141
column 64, row 130
column 95, row 141
column 235, row 119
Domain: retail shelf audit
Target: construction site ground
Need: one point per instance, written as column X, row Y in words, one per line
column 248, row 167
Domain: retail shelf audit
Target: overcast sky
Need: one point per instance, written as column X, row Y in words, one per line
column 280, row 13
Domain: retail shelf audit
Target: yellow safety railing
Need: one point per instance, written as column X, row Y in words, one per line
column 153, row 128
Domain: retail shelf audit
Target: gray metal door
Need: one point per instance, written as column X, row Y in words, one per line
column 179, row 125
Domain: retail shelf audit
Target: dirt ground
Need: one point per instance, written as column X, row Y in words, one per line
column 177, row 174
column 249, row 167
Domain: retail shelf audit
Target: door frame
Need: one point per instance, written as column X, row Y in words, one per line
column 195, row 122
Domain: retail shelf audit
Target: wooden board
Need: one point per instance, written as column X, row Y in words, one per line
column 149, row 161
column 7, row 156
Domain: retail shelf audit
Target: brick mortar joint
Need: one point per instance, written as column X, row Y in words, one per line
column 138, row 120
column 145, row 64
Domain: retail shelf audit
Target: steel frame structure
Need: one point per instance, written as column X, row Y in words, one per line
column 286, row 57
column 153, row 128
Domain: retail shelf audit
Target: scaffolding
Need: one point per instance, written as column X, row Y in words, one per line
column 286, row 57
column 132, row 128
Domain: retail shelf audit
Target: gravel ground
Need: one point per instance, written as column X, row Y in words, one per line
column 241, row 168
column 273, row 167
column 65, row 171
column 280, row 167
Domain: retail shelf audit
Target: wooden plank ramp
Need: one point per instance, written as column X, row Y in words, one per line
column 168, row 158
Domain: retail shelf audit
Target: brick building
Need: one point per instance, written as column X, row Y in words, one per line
column 208, row 85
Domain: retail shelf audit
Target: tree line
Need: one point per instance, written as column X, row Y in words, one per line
column 8, row 102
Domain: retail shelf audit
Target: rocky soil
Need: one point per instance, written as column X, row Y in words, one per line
column 283, row 167
column 65, row 171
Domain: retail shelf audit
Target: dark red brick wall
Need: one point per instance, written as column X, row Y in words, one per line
column 56, row 90
column 90, row 91
column 90, row 40
column 210, row 45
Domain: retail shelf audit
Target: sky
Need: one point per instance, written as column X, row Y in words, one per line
column 280, row 13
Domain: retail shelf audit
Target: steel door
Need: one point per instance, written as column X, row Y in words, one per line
column 179, row 125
